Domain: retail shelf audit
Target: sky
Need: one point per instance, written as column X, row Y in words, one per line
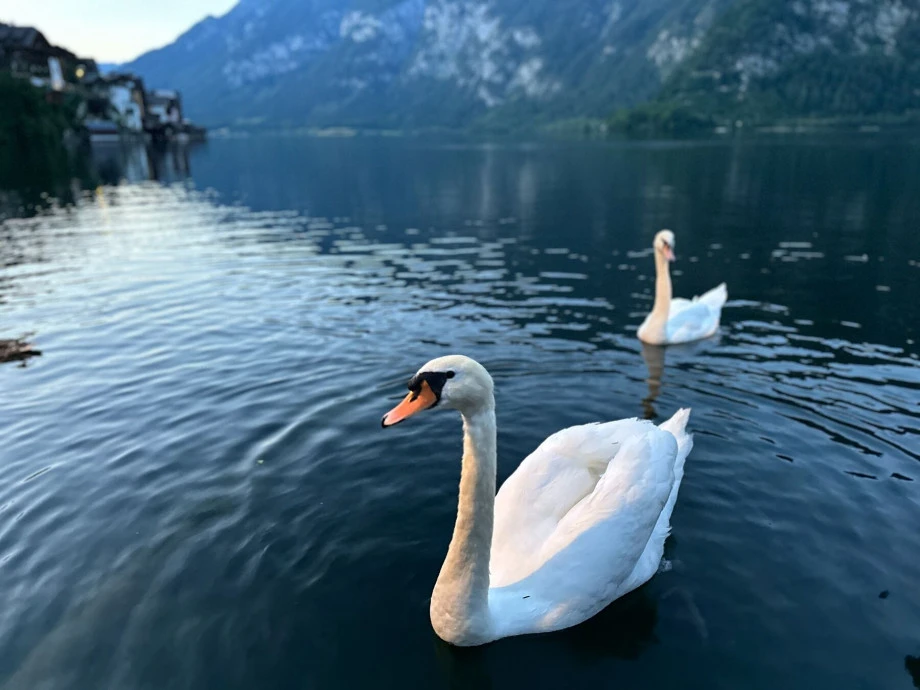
column 110, row 30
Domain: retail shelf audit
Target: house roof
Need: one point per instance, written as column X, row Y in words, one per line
column 162, row 97
column 122, row 78
column 22, row 37
column 27, row 39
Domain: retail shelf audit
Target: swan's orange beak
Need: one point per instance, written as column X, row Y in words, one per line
column 411, row 404
column 668, row 252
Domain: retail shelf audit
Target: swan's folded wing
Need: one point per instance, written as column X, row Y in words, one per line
column 678, row 304
column 553, row 479
column 713, row 300
column 695, row 321
column 604, row 536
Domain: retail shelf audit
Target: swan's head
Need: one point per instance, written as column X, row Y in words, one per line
column 664, row 244
column 453, row 382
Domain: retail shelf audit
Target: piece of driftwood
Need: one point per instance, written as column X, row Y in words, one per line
column 17, row 350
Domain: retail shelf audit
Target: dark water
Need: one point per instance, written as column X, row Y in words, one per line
column 196, row 493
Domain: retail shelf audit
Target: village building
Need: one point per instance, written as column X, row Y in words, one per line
column 26, row 53
column 165, row 109
column 116, row 104
column 127, row 100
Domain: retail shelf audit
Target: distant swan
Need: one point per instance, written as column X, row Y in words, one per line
column 673, row 321
column 581, row 522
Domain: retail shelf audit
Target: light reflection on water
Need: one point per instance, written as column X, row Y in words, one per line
column 197, row 492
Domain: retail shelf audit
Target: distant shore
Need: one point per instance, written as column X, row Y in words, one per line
column 592, row 128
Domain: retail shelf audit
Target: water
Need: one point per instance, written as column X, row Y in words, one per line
column 196, row 492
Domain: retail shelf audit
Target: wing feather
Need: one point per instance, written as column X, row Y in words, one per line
column 548, row 484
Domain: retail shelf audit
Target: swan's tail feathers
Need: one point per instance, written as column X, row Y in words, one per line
column 677, row 425
column 716, row 297
column 650, row 560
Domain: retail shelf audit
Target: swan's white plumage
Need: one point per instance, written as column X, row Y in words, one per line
column 675, row 320
column 572, row 539
column 582, row 521
column 547, row 486
column 690, row 320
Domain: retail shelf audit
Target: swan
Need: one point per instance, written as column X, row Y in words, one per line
column 581, row 522
column 673, row 321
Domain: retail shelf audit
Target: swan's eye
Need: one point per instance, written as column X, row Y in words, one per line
column 434, row 379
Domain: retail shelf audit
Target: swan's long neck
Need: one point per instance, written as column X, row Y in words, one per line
column 658, row 318
column 460, row 601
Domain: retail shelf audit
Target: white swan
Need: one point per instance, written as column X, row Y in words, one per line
column 581, row 522
column 674, row 321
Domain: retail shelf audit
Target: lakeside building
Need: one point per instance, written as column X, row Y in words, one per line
column 114, row 105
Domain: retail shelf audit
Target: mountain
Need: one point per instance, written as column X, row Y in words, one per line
column 772, row 59
column 423, row 63
column 399, row 63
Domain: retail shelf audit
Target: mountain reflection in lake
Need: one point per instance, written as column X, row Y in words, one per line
column 197, row 494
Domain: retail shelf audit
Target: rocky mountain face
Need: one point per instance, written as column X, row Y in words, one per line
column 426, row 62
column 819, row 58
column 422, row 63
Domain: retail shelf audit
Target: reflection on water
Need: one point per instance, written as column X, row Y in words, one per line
column 129, row 161
column 912, row 664
column 654, row 361
column 622, row 631
column 583, row 207
column 655, row 357
column 196, row 493
column 61, row 176
column 462, row 668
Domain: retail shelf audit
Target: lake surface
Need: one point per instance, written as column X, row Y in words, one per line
column 196, row 493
